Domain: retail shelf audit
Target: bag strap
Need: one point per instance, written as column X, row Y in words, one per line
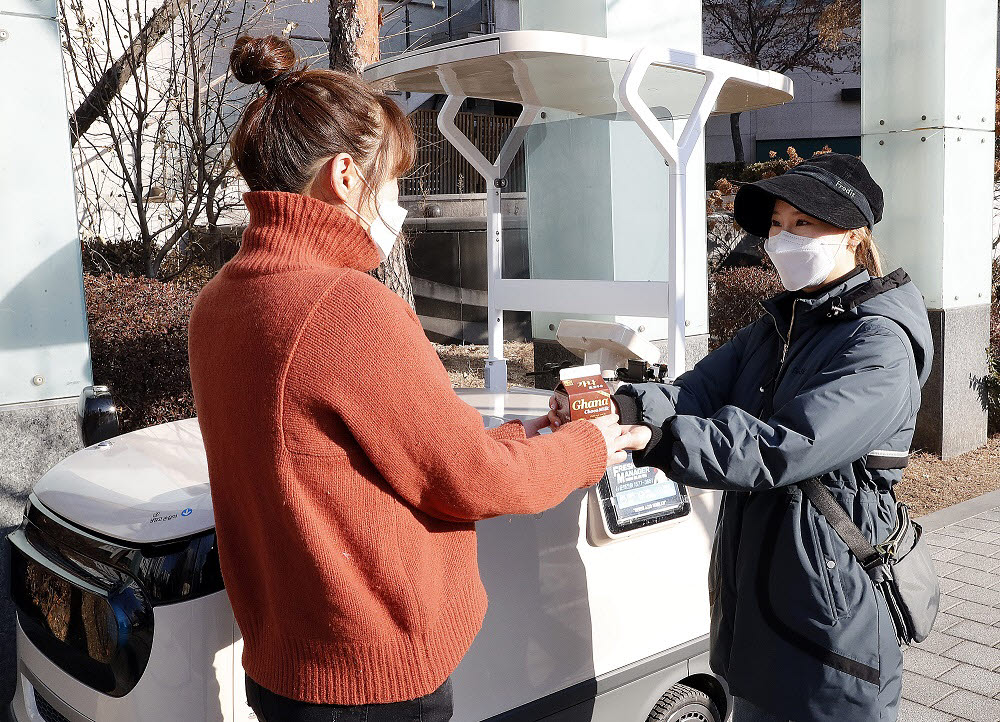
column 821, row 498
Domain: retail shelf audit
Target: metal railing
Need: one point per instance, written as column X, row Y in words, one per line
column 461, row 19
column 441, row 170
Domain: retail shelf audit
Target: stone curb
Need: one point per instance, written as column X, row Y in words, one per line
column 962, row 510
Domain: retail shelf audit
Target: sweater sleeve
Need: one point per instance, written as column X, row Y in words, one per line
column 511, row 430
column 381, row 377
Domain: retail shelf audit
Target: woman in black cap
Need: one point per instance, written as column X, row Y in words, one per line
column 804, row 214
column 825, row 385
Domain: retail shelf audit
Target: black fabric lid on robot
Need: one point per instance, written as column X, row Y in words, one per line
column 833, row 187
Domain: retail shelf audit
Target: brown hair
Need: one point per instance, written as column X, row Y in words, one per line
column 867, row 253
column 306, row 117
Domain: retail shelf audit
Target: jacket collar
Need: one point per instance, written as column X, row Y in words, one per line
column 808, row 306
column 290, row 230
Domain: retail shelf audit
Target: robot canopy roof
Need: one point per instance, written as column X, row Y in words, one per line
column 577, row 74
column 557, row 76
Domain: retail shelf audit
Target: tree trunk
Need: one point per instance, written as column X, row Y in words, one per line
column 107, row 88
column 354, row 26
column 734, row 125
column 395, row 273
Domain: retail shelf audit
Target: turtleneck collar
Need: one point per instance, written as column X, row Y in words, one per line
column 292, row 230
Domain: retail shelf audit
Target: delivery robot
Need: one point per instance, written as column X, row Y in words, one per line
column 598, row 607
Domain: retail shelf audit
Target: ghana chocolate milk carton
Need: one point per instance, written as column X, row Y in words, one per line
column 582, row 393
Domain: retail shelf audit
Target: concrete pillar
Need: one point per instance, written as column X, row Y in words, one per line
column 44, row 350
column 928, row 94
column 597, row 191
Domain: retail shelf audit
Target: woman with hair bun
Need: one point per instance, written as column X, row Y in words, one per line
column 346, row 474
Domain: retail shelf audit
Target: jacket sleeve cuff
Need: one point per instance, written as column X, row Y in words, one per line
column 658, row 450
column 628, row 409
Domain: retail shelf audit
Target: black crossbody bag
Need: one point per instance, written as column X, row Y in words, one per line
column 901, row 567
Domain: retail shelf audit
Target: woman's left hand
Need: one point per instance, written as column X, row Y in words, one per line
column 533, row 426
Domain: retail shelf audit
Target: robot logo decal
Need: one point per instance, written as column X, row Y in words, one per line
column 157, row 518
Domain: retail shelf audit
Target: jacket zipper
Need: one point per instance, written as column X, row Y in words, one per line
column 788, row 339
column 821, row 549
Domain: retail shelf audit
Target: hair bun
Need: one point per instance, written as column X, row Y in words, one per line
column 258, row 60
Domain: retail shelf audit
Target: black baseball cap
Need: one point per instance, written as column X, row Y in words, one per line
column 833, row 187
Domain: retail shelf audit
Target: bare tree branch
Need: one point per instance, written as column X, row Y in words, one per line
column 784, row 35
column 114, row 79
column 155, row 162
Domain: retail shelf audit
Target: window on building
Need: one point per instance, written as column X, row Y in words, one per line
column 412, row 24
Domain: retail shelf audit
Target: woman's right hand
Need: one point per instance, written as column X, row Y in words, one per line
column 613, row 438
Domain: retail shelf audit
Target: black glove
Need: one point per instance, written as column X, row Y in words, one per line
column 658, row 451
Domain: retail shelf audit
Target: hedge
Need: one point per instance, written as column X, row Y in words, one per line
column 734, row 172
column 734, row 296
column 138, row 346
column 138, row 336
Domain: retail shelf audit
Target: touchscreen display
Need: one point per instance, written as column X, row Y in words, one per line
column 633, row 497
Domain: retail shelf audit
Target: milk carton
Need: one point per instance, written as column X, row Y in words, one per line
column 582, row 393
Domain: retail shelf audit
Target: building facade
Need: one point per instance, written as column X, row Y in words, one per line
column 826, row 111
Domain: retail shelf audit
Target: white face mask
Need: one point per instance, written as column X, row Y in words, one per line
column 801, row 261
column 387, row 227
column 388, row 224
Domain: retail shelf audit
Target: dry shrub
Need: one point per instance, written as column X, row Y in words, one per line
column 734, row 299
column 138, row 344
column 995, row 311
column 734, row 174
column 138, row 336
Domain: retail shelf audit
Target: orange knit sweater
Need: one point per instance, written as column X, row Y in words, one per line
column 346, row 474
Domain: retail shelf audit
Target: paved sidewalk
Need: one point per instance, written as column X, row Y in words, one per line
column 953, row 674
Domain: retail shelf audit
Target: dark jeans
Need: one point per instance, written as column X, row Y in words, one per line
column 271, row 707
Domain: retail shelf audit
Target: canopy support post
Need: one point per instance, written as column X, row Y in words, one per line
column 676, row 154
column 495, row 371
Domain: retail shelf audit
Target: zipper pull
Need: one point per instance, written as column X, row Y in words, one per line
column 770, row 382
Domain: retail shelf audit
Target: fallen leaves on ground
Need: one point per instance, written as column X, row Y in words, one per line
column 930, row 483
column 465, row 363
